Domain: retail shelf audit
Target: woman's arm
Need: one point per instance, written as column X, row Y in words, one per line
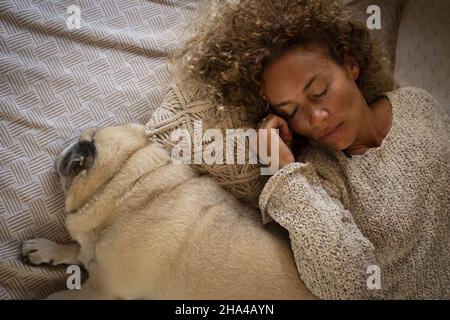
column 331, row 253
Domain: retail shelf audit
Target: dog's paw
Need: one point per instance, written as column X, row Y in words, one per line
column 39, row 251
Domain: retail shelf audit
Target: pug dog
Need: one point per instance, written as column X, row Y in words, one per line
column 147, row 228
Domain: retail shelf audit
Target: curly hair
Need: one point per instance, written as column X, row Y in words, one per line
column 232, row 47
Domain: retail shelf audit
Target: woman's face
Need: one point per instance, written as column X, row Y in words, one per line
column 318, row 98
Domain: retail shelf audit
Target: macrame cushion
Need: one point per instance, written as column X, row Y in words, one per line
column 180, row 112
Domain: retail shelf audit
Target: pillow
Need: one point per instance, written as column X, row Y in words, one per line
column 180, row 111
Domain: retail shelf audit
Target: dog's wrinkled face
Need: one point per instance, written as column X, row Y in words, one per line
column 75, row 158
column 86, row 164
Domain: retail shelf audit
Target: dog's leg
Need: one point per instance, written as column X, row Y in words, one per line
column 38, row 251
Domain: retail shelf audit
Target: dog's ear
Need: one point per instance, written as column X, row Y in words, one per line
column 80, row 157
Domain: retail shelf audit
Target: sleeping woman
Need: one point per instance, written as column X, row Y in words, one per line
column 363, row 184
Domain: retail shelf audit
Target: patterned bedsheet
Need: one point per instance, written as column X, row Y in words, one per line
column 54, row 83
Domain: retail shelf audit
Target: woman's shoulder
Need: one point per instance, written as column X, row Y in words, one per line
column 415, row 105
column 413, row 99
column 411, row 93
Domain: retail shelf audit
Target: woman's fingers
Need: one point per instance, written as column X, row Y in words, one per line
column 277, row 122
column 285, row 131
column 283, row 153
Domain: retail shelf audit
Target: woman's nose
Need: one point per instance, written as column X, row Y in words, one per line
column 318, row 118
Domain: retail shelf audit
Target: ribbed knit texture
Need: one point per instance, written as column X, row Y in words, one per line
column 389, row 207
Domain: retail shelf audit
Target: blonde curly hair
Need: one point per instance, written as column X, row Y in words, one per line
column 234, row 42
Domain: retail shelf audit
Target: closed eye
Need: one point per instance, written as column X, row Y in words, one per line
column 291, row 114
column 321, row 94
column 286, row 112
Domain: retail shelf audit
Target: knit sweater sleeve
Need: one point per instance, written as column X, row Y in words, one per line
column 331, row 253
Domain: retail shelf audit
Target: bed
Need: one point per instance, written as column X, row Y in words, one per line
column 56, row 81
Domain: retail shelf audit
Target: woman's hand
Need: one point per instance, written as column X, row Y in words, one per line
column 272, row 121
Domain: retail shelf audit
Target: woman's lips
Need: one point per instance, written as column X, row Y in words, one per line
column 332, row 134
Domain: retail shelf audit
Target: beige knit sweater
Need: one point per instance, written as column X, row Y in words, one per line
column 388, row 208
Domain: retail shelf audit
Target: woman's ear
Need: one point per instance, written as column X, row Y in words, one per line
column 351, row 65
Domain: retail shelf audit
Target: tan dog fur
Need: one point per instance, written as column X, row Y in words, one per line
column 149, row 229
